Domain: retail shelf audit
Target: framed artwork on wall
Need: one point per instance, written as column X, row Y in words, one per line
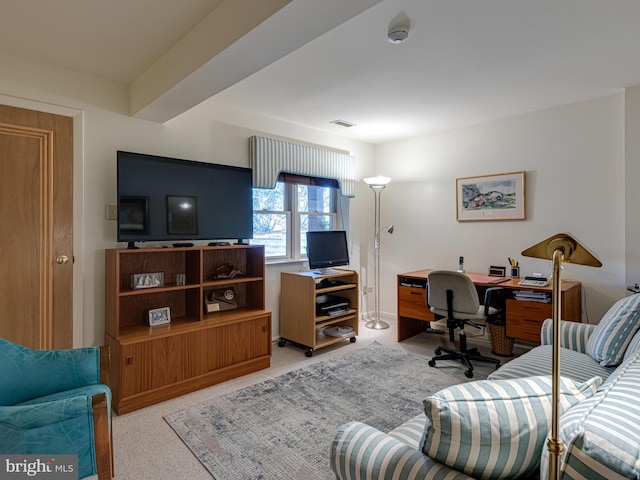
column 491, row 197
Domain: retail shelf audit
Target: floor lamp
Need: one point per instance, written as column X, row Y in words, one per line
column 559, row 248
column 377, row 184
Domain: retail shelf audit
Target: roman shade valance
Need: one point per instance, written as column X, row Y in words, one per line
column 269, row 157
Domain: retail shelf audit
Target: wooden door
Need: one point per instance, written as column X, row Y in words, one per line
column 36, row 219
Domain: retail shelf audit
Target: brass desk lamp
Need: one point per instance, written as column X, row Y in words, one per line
column 559, row 248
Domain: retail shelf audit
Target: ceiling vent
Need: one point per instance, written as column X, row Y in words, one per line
column 343, row 123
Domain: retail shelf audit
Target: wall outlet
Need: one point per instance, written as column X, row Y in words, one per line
column 367, row 290
column 111, row 211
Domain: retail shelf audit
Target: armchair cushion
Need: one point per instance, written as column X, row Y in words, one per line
column 612, row 335
column 63, row 426
column 495, row 429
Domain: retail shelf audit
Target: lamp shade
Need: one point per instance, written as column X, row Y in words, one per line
column 377, row 181
column 572, row 250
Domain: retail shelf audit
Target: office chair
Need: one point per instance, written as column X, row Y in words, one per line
column 453, row 295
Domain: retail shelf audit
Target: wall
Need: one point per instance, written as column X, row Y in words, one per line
column 100, row 109
column 574, row 162
column 632, row 192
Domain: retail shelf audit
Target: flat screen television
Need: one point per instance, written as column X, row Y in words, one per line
column 327, row 249
column 169, row 199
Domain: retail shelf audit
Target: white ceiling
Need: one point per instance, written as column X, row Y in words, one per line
column 309, row 62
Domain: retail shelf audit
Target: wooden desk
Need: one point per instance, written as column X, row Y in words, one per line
column 523, row 319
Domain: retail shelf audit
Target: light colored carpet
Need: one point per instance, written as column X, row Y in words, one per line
column 283, row 427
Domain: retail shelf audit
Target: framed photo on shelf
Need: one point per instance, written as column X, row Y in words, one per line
column 491, row 197
column 159, row 316
column 147, row 280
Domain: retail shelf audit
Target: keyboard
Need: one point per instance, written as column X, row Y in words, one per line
column 533, row 282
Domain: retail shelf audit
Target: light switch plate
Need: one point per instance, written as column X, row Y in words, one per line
column 112, row 211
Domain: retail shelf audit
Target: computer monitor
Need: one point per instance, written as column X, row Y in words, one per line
column 327, row 249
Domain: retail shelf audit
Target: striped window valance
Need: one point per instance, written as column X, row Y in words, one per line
column 269, row 157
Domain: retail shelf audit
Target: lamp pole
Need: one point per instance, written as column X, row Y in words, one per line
column 377, row 184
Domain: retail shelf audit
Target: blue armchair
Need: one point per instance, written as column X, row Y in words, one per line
column 54, row 402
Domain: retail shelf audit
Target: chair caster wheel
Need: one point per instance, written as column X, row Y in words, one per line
column 352, row 339
column 468, row 373
column 282, row 342
column 432, row 363
column 438, row 351
column 308, row 353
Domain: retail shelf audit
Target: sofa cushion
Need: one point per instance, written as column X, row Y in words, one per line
column 633, row 348
column 608, row 342
column 601, row 436
column 537, row 361
column 495, row 429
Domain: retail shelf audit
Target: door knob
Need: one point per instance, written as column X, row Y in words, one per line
column 62, row 259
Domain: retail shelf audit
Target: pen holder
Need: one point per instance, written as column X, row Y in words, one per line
column 515, row 272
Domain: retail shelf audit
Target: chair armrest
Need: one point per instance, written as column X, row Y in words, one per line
column 493, row 294
column 26, row 374
column 573, row 335
column 361, row 451
column 39, row 415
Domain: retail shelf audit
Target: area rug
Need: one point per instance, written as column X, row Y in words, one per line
column 283, row 427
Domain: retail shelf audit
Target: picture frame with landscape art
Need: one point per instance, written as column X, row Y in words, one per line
column 491, row 197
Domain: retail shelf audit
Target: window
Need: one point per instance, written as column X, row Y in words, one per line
column 282, row 217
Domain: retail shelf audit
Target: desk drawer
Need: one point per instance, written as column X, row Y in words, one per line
column 412, row 303
column 524, row 319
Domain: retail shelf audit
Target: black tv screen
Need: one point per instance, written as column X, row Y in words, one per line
column 327, row 249
column 169, row 199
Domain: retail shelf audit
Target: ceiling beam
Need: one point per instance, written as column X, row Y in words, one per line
column 237, row 39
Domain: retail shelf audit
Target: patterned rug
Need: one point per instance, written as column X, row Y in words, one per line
column 283, row 427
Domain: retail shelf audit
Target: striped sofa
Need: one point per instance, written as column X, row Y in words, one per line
column 600, row 430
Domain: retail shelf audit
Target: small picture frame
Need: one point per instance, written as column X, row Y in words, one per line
column 147, row 280
column 159, row 316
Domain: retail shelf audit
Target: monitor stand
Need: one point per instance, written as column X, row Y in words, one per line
column 132, row 245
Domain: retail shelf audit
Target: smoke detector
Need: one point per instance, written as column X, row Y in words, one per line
column 398, row 35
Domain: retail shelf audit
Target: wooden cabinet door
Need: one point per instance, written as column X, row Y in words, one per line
column 152, row 364
column 239, row 342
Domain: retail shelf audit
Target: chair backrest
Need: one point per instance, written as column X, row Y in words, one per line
column 26, row 373
column 465, row 296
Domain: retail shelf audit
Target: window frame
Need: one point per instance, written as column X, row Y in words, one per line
column 294, row 220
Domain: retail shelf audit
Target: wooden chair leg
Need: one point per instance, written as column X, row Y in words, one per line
column 103, row 439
